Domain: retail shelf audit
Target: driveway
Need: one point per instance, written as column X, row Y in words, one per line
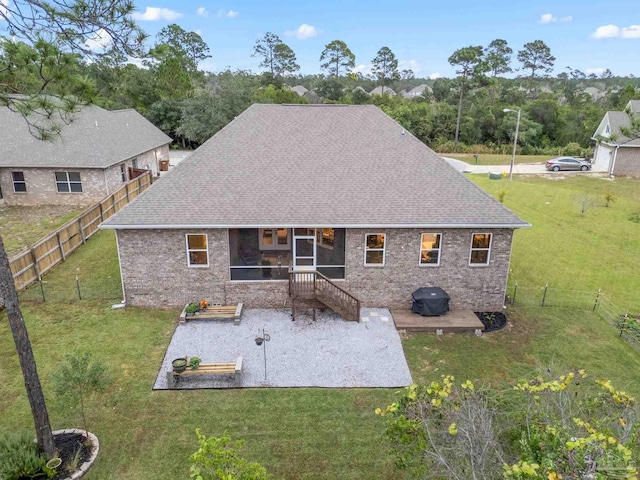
column 330, row 352
column 518, row 168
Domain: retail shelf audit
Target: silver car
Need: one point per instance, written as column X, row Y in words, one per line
column 567, row 163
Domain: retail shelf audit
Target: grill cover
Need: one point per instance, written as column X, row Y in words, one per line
column 430, row 301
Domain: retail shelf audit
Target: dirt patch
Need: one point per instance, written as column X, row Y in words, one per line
column 21, row 227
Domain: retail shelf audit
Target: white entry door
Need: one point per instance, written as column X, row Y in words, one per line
column 304, row 251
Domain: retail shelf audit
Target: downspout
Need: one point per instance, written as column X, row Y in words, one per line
column 613, row 162
column 124, row 298
column 106, row 184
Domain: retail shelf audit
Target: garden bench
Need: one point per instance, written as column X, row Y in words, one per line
column 234, row 369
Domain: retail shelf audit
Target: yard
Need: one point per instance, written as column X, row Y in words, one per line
column 334, row 433
column 24, row 226
column 494, row 159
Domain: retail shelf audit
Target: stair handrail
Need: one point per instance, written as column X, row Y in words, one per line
column 317, row 275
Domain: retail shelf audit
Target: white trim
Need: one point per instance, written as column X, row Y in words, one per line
column 613, row 162
column 439, row 249
column 186, row 239
column 372, row 226
column 488, row 250
column 124, row 296
column 383, row 250
column 68, row 181
column 274, row 238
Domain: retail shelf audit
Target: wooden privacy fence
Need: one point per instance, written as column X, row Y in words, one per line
column 28, row 266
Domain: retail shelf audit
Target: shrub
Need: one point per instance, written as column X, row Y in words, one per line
column 501, row 195
column 572, row 149
column 192, row 307
column 19, row 457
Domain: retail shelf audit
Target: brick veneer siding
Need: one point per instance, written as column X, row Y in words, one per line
column 41, row 187
column 155, row 272
column 627, row 162
column 149, row 160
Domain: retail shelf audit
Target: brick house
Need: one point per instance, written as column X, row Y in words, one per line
column 341, row 190
column 618, row 141
column 91, row 158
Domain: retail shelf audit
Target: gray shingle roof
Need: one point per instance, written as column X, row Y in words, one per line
column 96, row 138
column 378, row 91
column 634, row 106
column 617, row 122
column 313, row 165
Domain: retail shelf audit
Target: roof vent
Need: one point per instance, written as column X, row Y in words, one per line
column 96, row 123
column 403, row 132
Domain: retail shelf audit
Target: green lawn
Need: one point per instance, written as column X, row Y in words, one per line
column 23, row 226
column 494, row 159
column 332, row 433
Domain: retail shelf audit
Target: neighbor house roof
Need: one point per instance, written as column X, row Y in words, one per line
column 417, row 91
column 617, row 122
column 300, row 90
column 314, row 166
column 634, row 106
column 378, row 91
column 95, row 138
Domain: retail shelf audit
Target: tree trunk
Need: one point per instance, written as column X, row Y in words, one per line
column 25, row 354
column 459, row 112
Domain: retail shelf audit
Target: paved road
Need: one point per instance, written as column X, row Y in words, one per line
column 518, row 168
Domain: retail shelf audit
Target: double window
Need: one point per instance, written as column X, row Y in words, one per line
column 430, row 249
column 67, row 182
column 19, row 185
column 197, row 250
column 480, row 249
column 374, row 249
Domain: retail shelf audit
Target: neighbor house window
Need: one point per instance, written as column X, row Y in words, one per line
column 430, row 249
column 134, row 162
column 123, row 172
column 480, row 249
column 68, row 182
column 374, row 249
column 197, row 251
column 19, row 185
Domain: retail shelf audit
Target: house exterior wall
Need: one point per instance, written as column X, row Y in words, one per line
column 627, row 162
column 41, row 187
column 149, row 160
column 155, row 272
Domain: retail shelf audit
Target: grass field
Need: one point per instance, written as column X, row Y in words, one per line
column 491, row 159
column 332, row 433
column 23, row 226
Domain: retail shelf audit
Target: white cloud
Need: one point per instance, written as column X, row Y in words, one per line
column 303, row 31
column 363, row 69
column 410, row 64
column 222, row 13
column 435, row 75
column 198, row 31
column 596, row 70
column 549, row 18
column 614, row 31
column 152, row 14
column 99, row 41
column 202, row 12
column 3, row 9
column 137, row 62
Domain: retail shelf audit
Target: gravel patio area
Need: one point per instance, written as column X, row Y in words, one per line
column 330, row 352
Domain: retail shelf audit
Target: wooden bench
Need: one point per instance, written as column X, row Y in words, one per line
column 215, row 312
column 234, row 369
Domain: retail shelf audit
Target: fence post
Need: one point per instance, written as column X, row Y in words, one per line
column 544, row 295
column 42, row 289
column 126, row 189
column 84, row 240
column 624, row 323
column 101, row 212
column 35, row 263
column 515, row 291
column 597, row 300
column 78, row 287
column 64, row 257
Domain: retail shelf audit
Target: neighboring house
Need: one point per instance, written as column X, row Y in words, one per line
column 618, row 141
column 339, row 189
column 300, row 90
column 379, row 91
column 594, row 93
column 94, row 155
column 419, row 91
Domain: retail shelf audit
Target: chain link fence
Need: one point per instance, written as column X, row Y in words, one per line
column 57, row 290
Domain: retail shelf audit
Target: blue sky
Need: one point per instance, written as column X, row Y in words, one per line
column 588, row 35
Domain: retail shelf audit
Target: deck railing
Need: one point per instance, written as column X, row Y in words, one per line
column 312, row 284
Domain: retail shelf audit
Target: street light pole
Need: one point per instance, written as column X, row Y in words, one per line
column 515, row 141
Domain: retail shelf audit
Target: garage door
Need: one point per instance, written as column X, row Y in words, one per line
column 603, row 156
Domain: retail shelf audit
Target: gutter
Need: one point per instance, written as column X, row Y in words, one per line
column 613, row 162
column 369, row 226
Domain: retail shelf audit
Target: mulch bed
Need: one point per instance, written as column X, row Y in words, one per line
column 492, row 321
column 68, row 445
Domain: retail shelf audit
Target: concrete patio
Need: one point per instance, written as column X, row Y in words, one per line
column 329, row 352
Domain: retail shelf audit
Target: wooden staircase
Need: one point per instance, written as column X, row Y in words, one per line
column 311, row 287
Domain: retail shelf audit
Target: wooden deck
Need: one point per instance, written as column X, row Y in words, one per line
column 453, row 321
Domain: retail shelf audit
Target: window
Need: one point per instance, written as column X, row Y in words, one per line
column 374, row 249
column 275, row 239
column 197, row 252
column 430, row 249
column 607, row 130
column 480, row 249
column 123, row 172
column 68, row 182
column 19, row 185
column 134, row 162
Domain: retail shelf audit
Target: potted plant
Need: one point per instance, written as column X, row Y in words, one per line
column 192, row 308
column 266, row 270
column 179, row 364
column 203, row 304
column 194, row 362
